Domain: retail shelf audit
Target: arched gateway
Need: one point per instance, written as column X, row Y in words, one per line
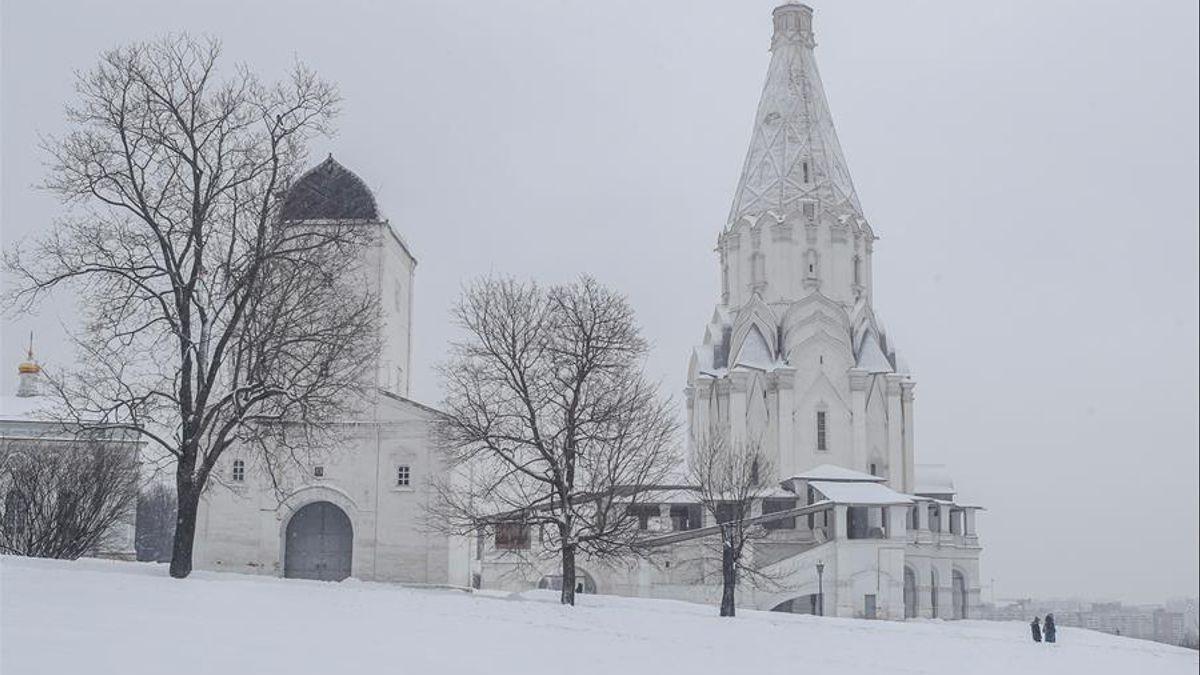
column 320, row 539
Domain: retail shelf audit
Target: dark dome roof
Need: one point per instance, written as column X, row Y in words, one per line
column 329, row 191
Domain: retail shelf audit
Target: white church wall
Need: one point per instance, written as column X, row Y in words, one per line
column 243, row 526
column 391, row 275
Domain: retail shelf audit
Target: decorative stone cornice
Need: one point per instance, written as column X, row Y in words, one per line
column 722, row 386
column 893, row 383
column 739, row 381
column 793, row 25
column 858, row 378
column 785, row 378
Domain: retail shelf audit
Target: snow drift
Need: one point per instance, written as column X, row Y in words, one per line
column 107, row 617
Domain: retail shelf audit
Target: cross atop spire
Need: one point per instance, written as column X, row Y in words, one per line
column 30, row 373
column 794, row 153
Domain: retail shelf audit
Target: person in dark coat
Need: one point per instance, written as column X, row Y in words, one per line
column 1050, row 630
column 1036, row 627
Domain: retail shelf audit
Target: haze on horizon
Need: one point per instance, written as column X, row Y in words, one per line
column 1031, row 169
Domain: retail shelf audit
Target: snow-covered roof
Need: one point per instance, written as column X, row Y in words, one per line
column 754, row 352
column 859, row 493
column 870, row 356
column 23, row 408
column 834, row 473
column 932, row 479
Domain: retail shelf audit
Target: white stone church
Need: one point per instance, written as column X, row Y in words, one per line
column 794, row 358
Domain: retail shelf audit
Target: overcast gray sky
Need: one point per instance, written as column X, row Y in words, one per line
column 1031, row 167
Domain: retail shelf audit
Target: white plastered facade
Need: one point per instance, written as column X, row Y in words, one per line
column 246, row 512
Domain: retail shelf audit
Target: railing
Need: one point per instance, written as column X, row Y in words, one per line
column 685, row 535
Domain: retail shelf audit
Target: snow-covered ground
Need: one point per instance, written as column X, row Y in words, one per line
column 92, row 617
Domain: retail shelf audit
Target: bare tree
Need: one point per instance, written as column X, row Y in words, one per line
column 550, row 424
column 729, row 479
column 155, row 523
column 209, row 320
column 63, row 500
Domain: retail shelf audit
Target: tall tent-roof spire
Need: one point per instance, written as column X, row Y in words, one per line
column 794, row 151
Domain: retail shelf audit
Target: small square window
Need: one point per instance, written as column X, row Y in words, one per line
column 239, row 470
column 403, row 476
column 319, row 471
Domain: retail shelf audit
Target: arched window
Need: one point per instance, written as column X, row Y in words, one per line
column 857, row 271
column 758, row 271
column 804, row 168
column 239, row 470
column 810, row 261
column 822, row 432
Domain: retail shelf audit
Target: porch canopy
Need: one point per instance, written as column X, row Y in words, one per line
column 859, row 494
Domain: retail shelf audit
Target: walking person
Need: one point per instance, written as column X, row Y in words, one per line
column 1051, row 631
column 1036, row 627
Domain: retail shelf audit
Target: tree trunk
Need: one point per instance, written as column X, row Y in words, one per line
column 185, row 528
column 568, row 575
column 728, row 577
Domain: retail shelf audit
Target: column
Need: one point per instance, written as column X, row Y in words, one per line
column 739, row 382
column 943, row 520
column 840, row 520
column 875, row 515
column 858, row 417
column 786, row 382
column 737, row 279
column 897, row 523
column 700, row 407
column 895, row 438
column 969, row 522
column 908, row 453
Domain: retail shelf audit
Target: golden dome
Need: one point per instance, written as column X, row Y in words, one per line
column 29, row 366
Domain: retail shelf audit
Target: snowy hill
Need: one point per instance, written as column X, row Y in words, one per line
column 104, row 617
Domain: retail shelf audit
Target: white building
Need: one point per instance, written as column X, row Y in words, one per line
column 794, row 358
column 357, row 510
column 28, row 427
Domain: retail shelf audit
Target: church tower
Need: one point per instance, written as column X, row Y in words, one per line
column 794, row 357
column 331, row 193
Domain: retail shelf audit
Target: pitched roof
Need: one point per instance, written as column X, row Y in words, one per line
column 329, row 191
column 860, row 493
column 870, row 355
column 794, row 151
column 832, row 472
